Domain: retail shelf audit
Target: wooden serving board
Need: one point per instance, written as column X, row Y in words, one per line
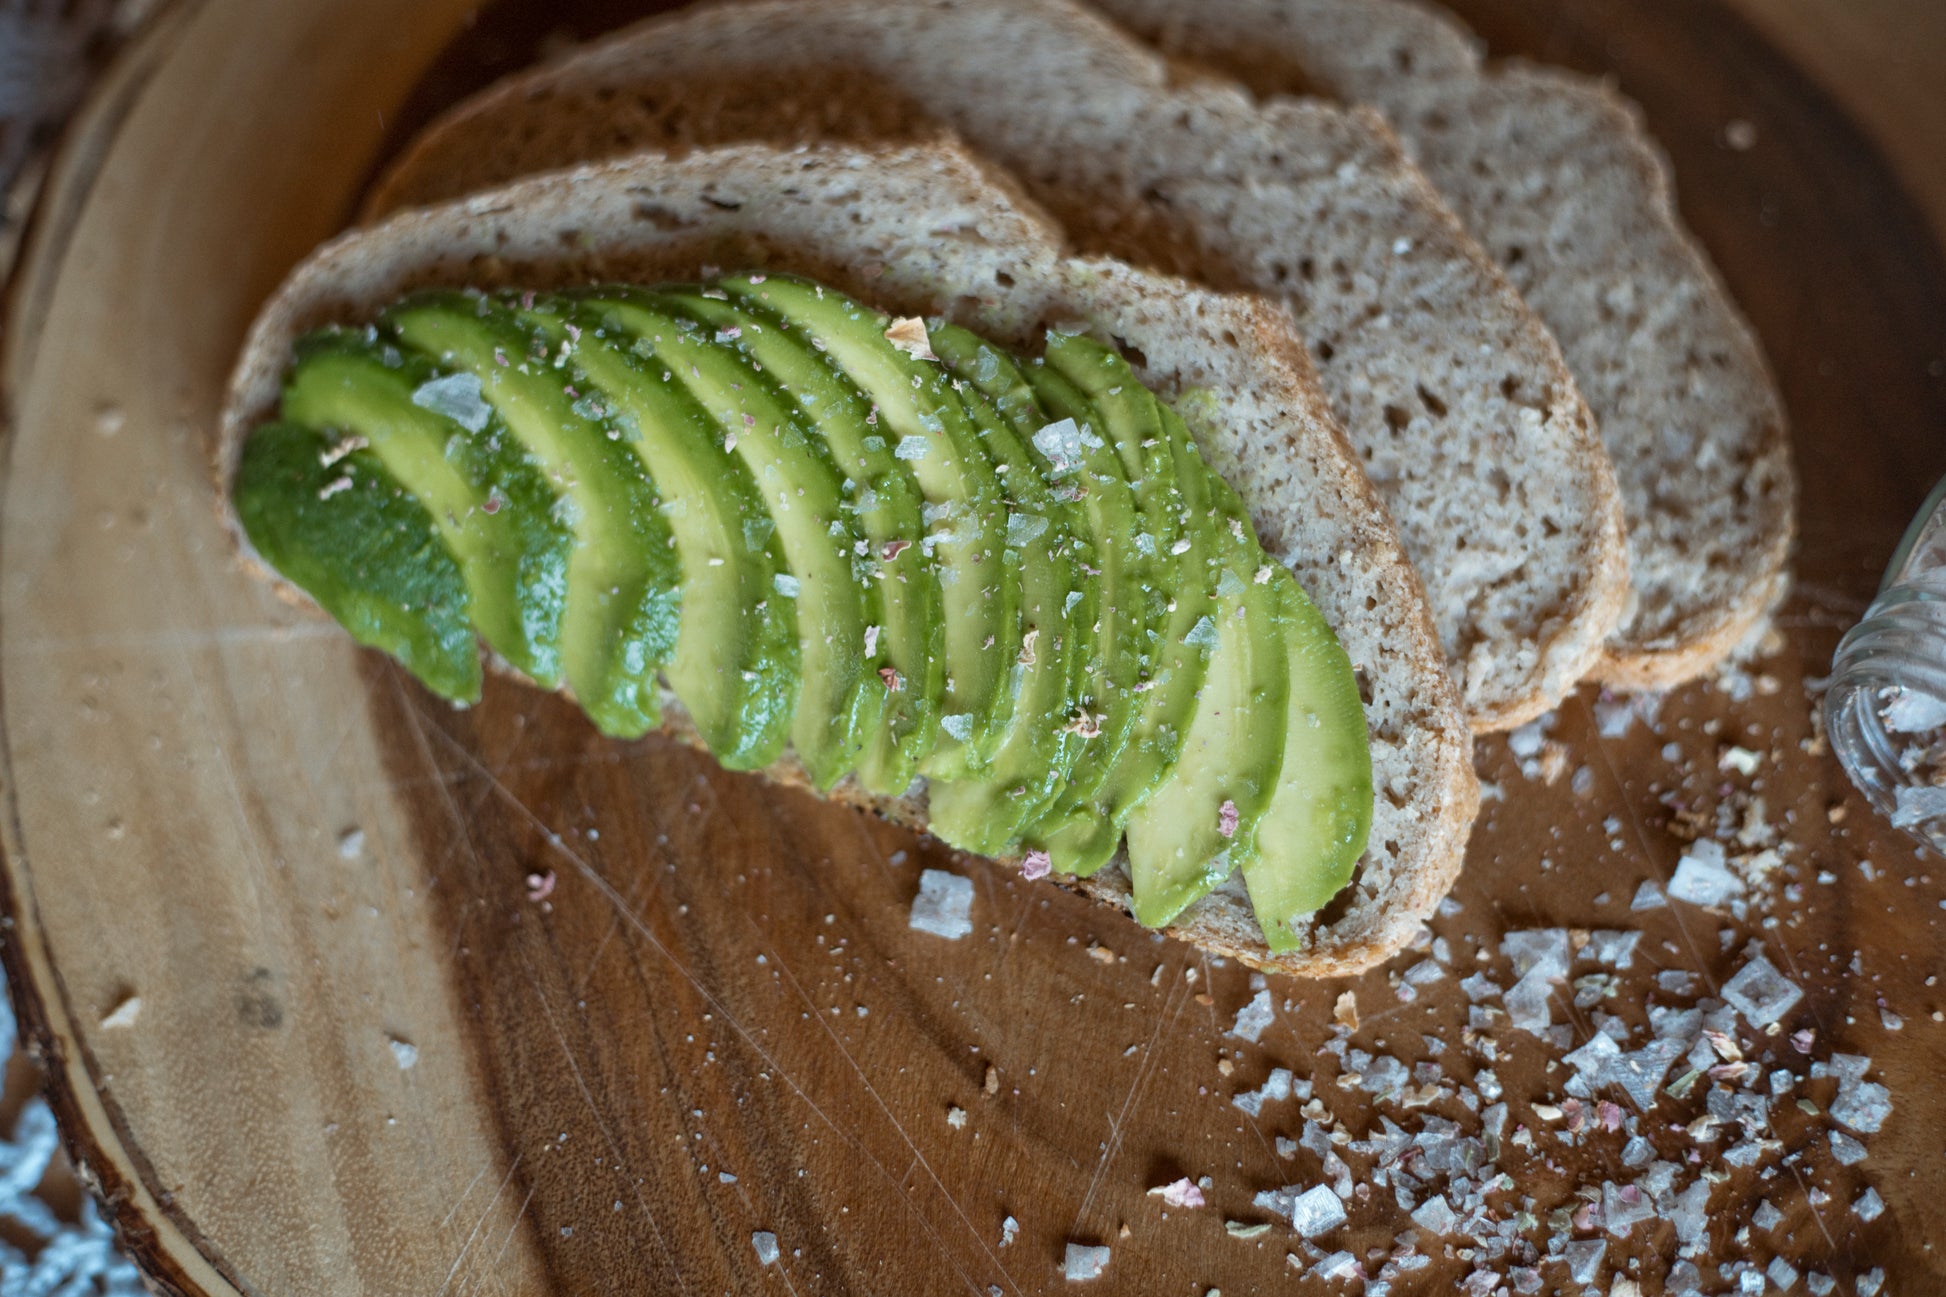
column 269, row 922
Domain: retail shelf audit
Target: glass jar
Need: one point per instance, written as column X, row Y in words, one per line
column 1885, row 708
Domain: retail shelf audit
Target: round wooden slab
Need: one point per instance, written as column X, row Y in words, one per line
column 342, row 991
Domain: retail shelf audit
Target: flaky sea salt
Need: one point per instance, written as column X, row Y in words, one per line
column 1317, row 1211
column 1871, row 1281
column 1253, row 1017
column 1761, row 993
column 1436, row 1216
column 1701, row 878
column 1845, row 1150
column 944, row 905
column 1861, row 1106
column 1648, row 897
column 766, row 1244
column 1083, row 1262
column 1781, row 1273
column 457, row 397
column 1917, row 804
column 1584, row 1258
column 1869, row 1206
column 1276, row 1086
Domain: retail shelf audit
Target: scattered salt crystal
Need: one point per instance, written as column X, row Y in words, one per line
column 1845, row 1150
column 1862, row 1106
column 944, row 905
column 457, row 397
column 1423, row 973
column 1084, row 1262
column 351, row 843
column 404, row 1051
column 1613, row 948
column 1869, row 1206
column 1061, row 443
column 1253, row 1017
column 1009, row 1230
column 1435, row 1216
column 1623, row 1207
column 1820, row 1285
column 766, row 1244
column 1276, row 1086
column 1648, row 897
column 1584, row 1257
column 912, row 446
column 1690, row 1215
column 1871, row 1281
column 1766, row 1217
column 1676, row 981
column 1781, row 1273
column 1761, row 993
column 1338, row 1265
column 956, row 1117
column 1543, row 950
column 1701, row 878
column 725, row 1177
column 1286, row 1146
column 1527, row 1004
column 1478, row 986
column 1317, row 1211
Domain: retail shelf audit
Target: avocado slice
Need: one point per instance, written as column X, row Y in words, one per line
column 1320, row 812
column 443, row 445
column 1203, row 819
column 735, row 665
column 922, row 420
column 623, row 589
column 841, row 698
column 986, row 812
column 1183, row 566
column 344, row 531
column 887, row 502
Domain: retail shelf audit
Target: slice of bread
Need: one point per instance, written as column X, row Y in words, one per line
column 1555, row 174
column 928, row 230
column 1452, row 392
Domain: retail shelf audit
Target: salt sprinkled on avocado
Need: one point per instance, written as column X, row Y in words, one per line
column 457, row 397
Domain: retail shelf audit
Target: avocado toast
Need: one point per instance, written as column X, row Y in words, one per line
column 925, row 232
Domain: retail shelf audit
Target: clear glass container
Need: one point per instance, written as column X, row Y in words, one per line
column 1885, row 708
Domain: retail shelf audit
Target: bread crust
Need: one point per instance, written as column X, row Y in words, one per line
column 946, row 235
column 1455, row 397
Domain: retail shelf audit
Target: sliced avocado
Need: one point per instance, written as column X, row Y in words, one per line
column 344, row 531
column 1202, row 820
column 735, row 667
column 1180, row 550
column 623, row 592
column 985, row 812
column 1320, row 812
column 921, row 419
column 840, row 699
column 887, row 502
column 435, row 436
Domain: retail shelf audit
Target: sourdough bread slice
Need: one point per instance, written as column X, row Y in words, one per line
column 927, row 230
column 1454, row 395
column 1555, row 174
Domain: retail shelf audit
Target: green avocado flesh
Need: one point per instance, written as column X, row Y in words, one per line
column 895, row 549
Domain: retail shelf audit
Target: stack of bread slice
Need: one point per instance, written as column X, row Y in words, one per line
column 1380, row 392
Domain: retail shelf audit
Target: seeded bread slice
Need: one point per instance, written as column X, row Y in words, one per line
column 927, row 230
column 1452, row 392
column 1555, row 174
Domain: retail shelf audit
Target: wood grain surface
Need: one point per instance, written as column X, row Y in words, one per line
column 365, row 1058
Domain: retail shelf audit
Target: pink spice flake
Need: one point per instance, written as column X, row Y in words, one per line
column 491, row 505
column 893, row 680
column 1038, row 864
column 1180, row 1193
column 894, row 548
column 527, row 300
column 1611, row 1116
column 540, row 886
column 1226, row 818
